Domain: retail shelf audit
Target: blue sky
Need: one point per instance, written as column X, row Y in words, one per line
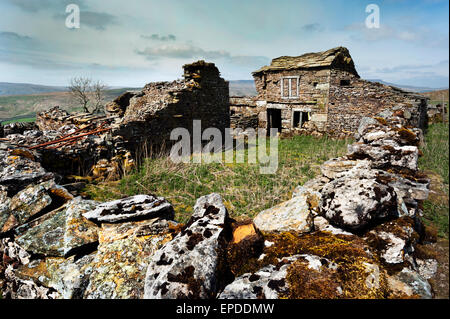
column 133, row 42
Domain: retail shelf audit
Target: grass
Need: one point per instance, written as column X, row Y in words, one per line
column 436, row 161
column 246, row 192
column 20, row 120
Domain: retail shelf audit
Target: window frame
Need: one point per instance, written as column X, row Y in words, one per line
column 290, row 96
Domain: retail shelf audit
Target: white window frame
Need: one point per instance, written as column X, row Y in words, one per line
column 301, row 116
column 289, row 95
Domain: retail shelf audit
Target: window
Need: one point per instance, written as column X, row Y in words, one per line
column 345, row 82
column 299, row 118
column 290, row 87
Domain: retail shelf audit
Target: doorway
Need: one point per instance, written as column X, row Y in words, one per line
column 274, row 119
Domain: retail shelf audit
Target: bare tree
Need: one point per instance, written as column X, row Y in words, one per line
column 88, row 93
column 79, row 88
column 98, row 90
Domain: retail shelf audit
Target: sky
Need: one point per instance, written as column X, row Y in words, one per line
column 134, row 42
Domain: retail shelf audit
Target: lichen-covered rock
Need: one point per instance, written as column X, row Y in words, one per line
column 17, row 172
column 394, row 240
column 322, row 224
column 386, row 155
column 335, row 166
column 120, row 266
column 354, row 203
column 293, row 215
column 427, row 268
column 270, row 281
column 69, row 277
column 409, row 283
column 63, row 232
column 136, row 207
column 192, row 264
column 25, row 205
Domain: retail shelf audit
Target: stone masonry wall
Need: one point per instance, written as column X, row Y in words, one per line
column 348, row 104
column 160, row 107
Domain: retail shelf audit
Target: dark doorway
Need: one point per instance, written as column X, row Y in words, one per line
column 274, row 119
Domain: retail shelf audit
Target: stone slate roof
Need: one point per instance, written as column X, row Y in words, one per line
column 334, row 58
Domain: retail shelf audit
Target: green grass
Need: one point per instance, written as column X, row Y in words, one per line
column 246, row 192
column 20, row 120
column 436, row 160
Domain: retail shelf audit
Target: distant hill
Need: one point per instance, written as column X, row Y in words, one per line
column 242, row 88
column 418, row 89
column 26, row 89
column 27, row 105
column 437, row 96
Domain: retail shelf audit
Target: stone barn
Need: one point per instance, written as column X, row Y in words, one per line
column 320, row 92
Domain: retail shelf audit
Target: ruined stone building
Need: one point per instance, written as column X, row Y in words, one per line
column 319, row 92
column 136, row 124
column 151, row 114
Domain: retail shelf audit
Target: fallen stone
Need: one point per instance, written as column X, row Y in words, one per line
column 64, row 232
column 25, row 204
column 293, row 215
column 17, row 172
column 136, row 207
column 191, row 265
column 354, row 203
column 410, row 283
column 270, row 281
column 69, row 277
column 120, row 266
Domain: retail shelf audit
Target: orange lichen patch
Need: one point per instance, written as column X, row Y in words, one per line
column 23, row 153
column 61, row 193
column 409, row 136
column 381, row 120
column 10, row 224
column 242, row 232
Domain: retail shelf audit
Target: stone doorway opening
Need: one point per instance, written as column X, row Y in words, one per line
column 273, row 119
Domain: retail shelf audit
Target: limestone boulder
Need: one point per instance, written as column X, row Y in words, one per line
column 192, row 264
column 386, row 156
column 19, row 171
column 136, row 207
column 353, row 201
column 270, row 282
column 62, row 232
column 293, row 215
column 24, row 205
column 410, row 283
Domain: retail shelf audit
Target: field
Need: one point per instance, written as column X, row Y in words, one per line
column 246, row 192
column 16, row 108
column 436, row 162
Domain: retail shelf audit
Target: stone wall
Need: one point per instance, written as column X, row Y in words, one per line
column 349, row 103
column 244, row 112
column 149, row 116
